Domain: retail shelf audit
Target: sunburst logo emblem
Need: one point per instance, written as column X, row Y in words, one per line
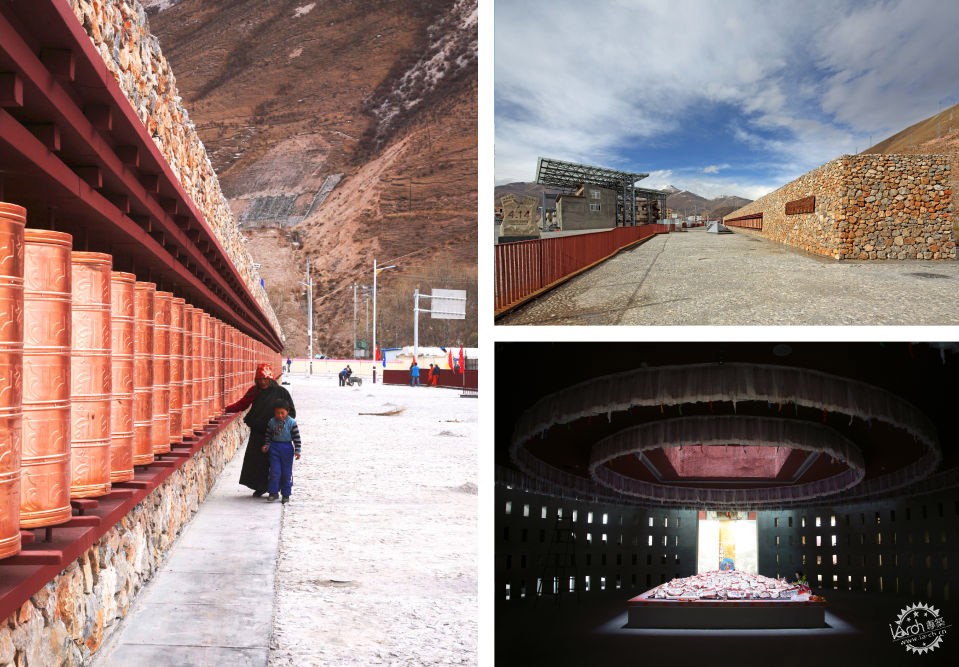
column 920, row 628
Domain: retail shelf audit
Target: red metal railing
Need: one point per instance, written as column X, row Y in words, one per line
column 527, row 268
column 752, row 221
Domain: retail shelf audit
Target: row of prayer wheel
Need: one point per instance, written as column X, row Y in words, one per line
column 99, row 373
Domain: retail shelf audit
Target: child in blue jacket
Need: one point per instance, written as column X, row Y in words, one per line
column 282, row 446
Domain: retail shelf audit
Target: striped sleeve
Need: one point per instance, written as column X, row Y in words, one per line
column 295, row 434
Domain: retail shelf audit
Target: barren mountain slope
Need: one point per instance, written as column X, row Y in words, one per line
column 351, row 126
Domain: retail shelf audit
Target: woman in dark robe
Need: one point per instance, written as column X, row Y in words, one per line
column 260, row 398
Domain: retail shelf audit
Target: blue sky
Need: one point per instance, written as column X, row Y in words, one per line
column 718, row 97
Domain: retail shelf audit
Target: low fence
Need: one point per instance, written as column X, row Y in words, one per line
column 527, row 268
column 447, row 378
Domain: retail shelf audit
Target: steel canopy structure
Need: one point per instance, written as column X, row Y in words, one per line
column 570, row 175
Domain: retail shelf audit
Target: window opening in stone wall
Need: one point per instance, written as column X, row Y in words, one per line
column 522, row 589
column 650, row 522
column 777, row 540
column 542, row 536
column 818, row 522
column 506, row 533
column 832, row 520
column 676, row 561
column 556, row 585
column 928, row 562
column 575, row 515
column 572, row 584
column 777, row 558
column 589, row 559
column 864, row 586
column 665, row 522
column 878, row 518
column 559, row 512
column 895, row 560
column 804, row 559
column 602, row 583
column 802, row 522
column 594, row 194
column 833, row 540
column 804, row 539
column 880, row 585
column 619, row 582
column 635, row 540
column 862, row 519
column 675, row 540
column 878, row 538
column 776, row 522
column 595, row 207
column 678, row 522
column 835, row 559
column 819, row 579
column 818, row 540
column 604, row 538
column 620, row 540
column 942, row 536
column 897, row 584
column 586, row 583
column 522, row 562
column 649, row 559
column 543, row 514
column 619, row 559
column 892, row 515
column 589, row 538
column 835, row 582
column 632, row 580
column 880, row 560
column 863, row 560
column 589, row 517
column 662, row 560
column 509, row 507
column 605, row 517
column 926, row 536
column 665, row 540
column 818, row 560
column 526, row 510
column 507, row 591
column 790, row 522
column 849, row 581
column 650, row 540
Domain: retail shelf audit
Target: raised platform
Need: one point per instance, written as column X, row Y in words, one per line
column 720, row 614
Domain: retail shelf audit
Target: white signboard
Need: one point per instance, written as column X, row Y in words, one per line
column 448, row 304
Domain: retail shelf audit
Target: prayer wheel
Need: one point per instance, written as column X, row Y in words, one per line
column 176, row 370
column 199, row 384
column 91, row 378
column 208, row 367
column 45, row 463
column 188, row 379
column 12, row 221
column 163, row 305
column 144, row 303
column 122, row 325
column 218, row 367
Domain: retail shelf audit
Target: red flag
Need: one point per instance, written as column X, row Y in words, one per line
column 462, row 361
column 449, row 359
column 376, row 354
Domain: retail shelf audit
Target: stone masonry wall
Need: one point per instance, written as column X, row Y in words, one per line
column 867, row 207
column 69, row 618
column 120, row 32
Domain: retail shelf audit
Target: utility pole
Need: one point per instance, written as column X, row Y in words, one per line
column 354, row 318
column 376, row 271
column 309, row 314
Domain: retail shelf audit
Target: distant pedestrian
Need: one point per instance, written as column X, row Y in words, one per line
column 282, row 445
column 434, row 375
column 289, row 364
column 414, row 374
column 344, row 374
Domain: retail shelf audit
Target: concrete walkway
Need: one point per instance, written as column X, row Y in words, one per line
column 738, row 279
column 212, row 601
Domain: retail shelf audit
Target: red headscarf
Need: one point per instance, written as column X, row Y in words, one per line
column 264, row 371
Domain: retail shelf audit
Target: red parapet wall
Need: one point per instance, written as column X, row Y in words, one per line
column 753, row 221
column 448, row 379
column 526, row 269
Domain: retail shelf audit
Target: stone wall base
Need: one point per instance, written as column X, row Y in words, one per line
column 66, row 622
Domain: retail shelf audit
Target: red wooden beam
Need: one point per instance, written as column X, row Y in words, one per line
column 11, row 90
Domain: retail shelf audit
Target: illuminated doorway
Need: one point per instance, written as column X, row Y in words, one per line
column 727, row 540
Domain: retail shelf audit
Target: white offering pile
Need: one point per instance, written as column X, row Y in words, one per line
column 724, row 585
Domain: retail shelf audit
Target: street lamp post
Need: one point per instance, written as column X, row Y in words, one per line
column 309, row 313
column 376, row 271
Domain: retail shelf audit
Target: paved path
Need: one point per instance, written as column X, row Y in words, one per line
column 374, row 561
column 738, row 279
column 211, row 603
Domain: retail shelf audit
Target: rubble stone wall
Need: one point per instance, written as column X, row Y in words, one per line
column 66, row 622
column 867, row 207
column 121, row 33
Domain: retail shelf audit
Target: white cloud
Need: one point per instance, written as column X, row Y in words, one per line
column 810, row 80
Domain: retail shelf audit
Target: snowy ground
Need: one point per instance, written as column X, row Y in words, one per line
column 378, row 548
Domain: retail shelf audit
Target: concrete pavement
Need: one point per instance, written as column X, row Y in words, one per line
column 697, row 278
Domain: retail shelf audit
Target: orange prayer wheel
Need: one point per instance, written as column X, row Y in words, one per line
column 199, row 384
column 188, row 379
column 12, row 221
column 91, row 378
column 122, row 326
column 176, row 370
column 217, row 367
column 163, row 305
column 45, row 463
column 144, row 304
column 208, row 367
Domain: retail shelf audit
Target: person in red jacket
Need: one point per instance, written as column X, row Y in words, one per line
column 260, row 398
